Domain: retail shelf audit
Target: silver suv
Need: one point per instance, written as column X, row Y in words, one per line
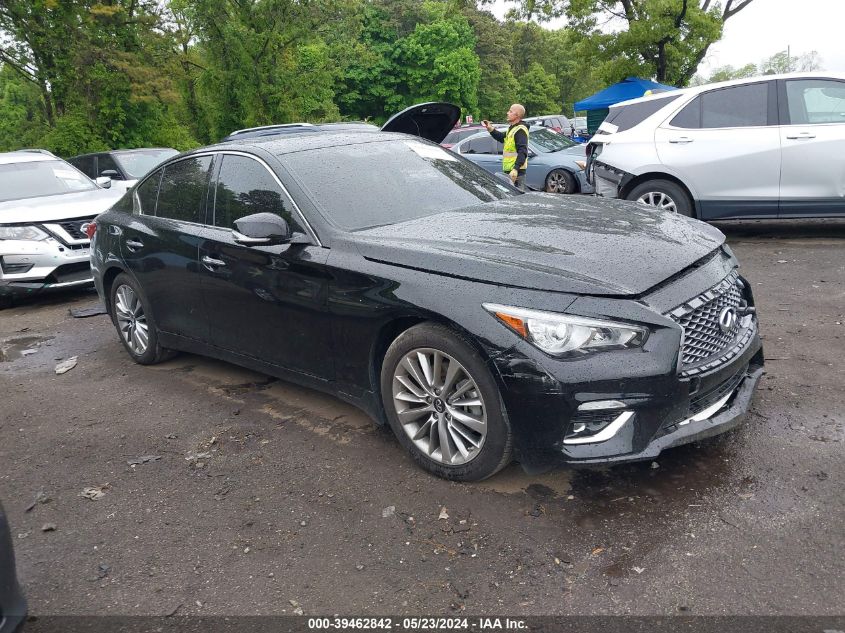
column 766, row 147
column 45, row 205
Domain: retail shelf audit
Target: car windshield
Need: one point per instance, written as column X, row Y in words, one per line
column 386, row 182
column 547, row 141
column 41, row 178
column 138, row 163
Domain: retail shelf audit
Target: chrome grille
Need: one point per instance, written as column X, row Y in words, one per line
column 703, row 338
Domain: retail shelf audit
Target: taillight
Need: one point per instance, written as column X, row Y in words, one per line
column 91, row 229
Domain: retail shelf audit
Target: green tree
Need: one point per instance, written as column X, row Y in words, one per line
column 538, row 91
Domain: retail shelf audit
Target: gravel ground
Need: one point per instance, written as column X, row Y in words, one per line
column 251, row 496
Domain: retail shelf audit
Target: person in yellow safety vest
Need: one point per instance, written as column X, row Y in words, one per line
column 515, row 139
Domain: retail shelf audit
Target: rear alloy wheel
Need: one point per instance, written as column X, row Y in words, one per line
column 444, row 405
column 662, row 194
column 560, row 181
column 134, row 323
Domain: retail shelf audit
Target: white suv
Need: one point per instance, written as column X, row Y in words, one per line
column 766, row 147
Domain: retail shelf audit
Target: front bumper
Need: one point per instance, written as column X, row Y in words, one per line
column 583, row 184
column 28, row 267
column 608, row 182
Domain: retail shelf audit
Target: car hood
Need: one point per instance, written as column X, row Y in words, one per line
column 60, row 207
column 548, row 242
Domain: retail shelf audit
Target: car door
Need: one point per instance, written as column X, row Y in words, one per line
column 725, row 146
column 160, row 246
column 265, row 302
column 812, row 133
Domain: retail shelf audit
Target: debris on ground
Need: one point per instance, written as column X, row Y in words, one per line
column 389, row 511
column 639, row 570
column 66, row 365
column 48, row 527
column 444, row 515
column 41, row 497
column 144, row 459
column 192, row 457
column 655, row 465
column 94, row 493
column 27, row 352
column 81, row 313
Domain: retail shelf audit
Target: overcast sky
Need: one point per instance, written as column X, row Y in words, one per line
column 766, row 27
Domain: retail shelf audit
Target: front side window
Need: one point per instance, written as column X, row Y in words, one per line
column 245, row 187
column 33, row 179
column 739, row 106
column 85, row 164
column 106, row 163
column 386, row 182
column 815, row 101
column 183, row 189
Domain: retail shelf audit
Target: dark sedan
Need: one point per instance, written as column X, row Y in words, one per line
column 12, row 603
column 481, row 324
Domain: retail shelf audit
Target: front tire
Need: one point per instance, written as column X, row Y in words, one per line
column 444, row 405
column 130, row 313
column 662, row 194
column 560, row 181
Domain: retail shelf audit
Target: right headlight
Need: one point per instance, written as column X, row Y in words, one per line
column 31, row 233
column 564, row 334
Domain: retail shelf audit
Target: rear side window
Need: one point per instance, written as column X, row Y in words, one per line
column 740, row 106
column 244, row 187
column 815, row 101
column 183, row 190
column 147, row 194
column 482, row 145
column 628, row 116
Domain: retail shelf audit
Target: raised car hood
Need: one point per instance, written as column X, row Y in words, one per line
column 548, row 242
column 62, row 207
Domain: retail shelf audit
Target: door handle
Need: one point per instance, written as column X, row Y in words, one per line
column 681, row 140
column 211, row 264
column 800, row 135
column 134, row 245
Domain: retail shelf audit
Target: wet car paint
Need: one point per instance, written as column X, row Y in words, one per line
column 356, row 293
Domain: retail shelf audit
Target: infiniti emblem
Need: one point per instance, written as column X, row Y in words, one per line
column 727, row 319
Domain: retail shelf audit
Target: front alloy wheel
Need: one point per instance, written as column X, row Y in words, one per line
column 444, row 405
column 439, row 406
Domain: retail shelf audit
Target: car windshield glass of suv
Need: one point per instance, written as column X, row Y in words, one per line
column 41, row 178
column 547, row 141
column 386, row 182
column 139, row 163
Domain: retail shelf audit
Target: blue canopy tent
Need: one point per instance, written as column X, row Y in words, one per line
column 629, row 88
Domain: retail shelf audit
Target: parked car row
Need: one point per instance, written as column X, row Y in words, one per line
column 480, row 323
column 766, row 147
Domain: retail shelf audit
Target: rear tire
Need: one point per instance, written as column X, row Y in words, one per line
column 560, row 181
column 662, row 194
column 136, row 327
column 444, row 405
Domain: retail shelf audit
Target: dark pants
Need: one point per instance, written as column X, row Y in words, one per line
column 520, row 180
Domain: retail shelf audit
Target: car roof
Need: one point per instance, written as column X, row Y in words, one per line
column 730, row 83
column 123, row 151
column 289, row 129
column 25, row 156
column 317, row 139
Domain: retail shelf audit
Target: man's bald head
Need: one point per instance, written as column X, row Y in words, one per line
column 516, row 113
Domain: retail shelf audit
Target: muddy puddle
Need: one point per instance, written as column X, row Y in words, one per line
column 14, row 348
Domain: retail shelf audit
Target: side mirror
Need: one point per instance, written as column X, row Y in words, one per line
column 261, row 229
column 104, row 182
column 111, row 173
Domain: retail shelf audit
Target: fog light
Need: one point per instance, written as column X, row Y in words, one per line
column 590, row 427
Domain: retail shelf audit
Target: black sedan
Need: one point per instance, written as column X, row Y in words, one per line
column 481, row 324
column 12, row 603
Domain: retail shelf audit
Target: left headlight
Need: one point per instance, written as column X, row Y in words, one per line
column 562, row 334
column 31, row 233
